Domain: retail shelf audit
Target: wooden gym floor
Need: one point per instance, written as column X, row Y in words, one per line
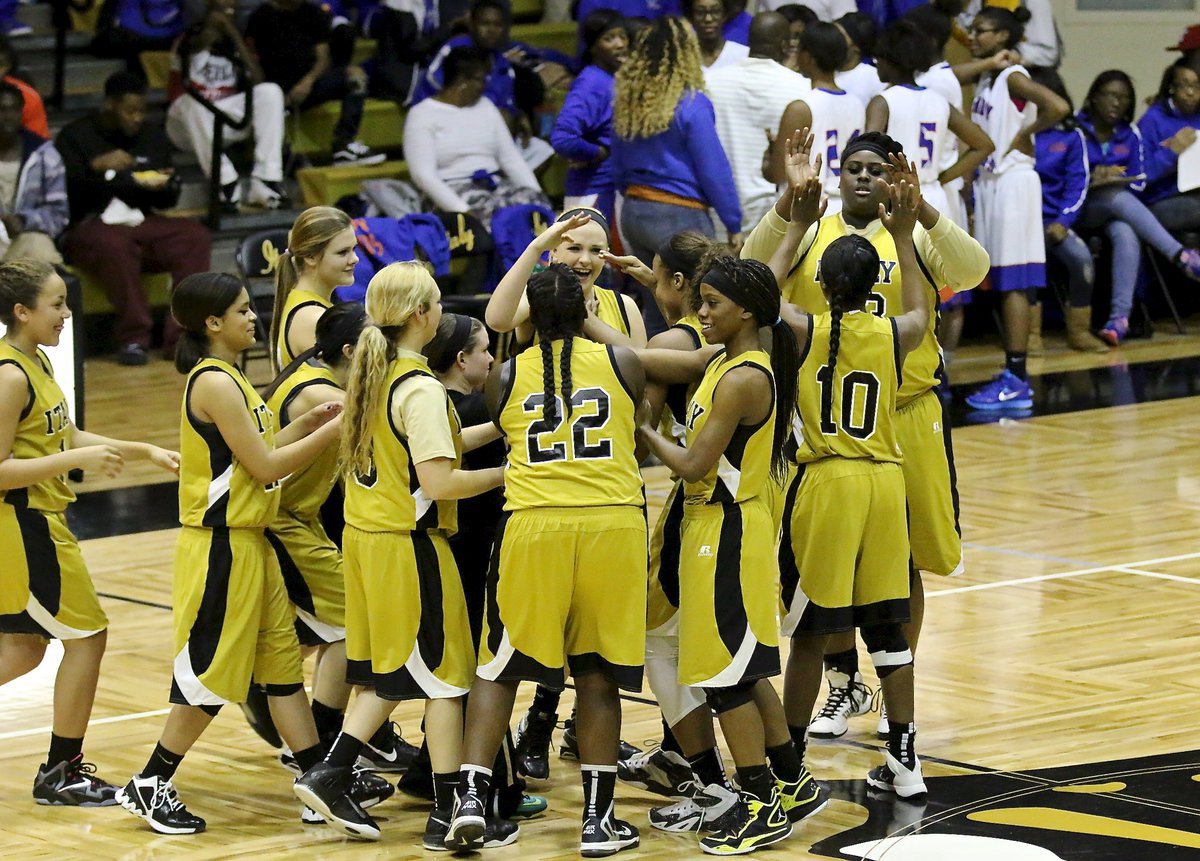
column 1056, row 711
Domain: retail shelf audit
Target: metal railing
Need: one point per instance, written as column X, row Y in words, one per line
column 220, row 121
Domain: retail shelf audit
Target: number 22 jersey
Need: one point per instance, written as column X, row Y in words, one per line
column 584, row 459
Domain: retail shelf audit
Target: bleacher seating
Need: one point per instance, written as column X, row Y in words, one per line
column 326, row 185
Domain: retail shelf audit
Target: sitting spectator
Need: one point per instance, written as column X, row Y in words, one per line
column 798, row 18
column 858, row 75
column 118, row 173
column 407, row 35
column 668, row 162
column 126, row 28
column 459, row 150
column 487, row 29
column 749, row 98
column 33, row 185
column 1061, row 161
column 1117, row 171
column 212, row 61
column 1168, row 128
column 708, row 18
column 737, row 22
column 291, row 41
column 34, row 115
column 583, row 131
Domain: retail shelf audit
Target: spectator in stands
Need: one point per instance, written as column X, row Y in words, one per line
column 708, row 18
column 737, row 22
column 1061, row 161
column 858, row 76
column 1042, row 46
column 459, row 150
column 1117, row 172
column 1189, row 44
column 119, row 174
column 290, row 39
column 33, row 185
column 212, row 61
column 34, row 115
column 749, row 98
column 823, row 10
column 1168, row 128
column 407, row 35
column 668, row 162
column 798, row 18
column 126, row 28
column 646, row 10
column 583, row 131
column 9, row 23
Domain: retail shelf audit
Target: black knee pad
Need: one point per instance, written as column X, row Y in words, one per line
column 722, row 700
column 283, row 690
column 888, row 647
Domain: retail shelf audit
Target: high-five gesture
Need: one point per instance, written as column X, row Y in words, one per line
column 903, row 170
column 808, row 204
column 901, row 217
column 552, row 235
column 798, row 165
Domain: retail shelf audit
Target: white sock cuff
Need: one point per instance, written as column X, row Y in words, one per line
column 602, row 768
column 486, row 772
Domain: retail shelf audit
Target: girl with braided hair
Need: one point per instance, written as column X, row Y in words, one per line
column 568, row 575
column 736, row 424
column 844, row 554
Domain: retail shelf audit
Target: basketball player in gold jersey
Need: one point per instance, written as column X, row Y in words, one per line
column 946, row 257
column 569, row 563
column 844, row 553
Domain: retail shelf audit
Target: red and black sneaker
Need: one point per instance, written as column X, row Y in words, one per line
column 73, row 783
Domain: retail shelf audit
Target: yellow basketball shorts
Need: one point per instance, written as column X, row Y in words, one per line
column 45, row 588
column 923, row 432
column 776, row 497
column 662, row 601
column 728, row 619
column 567, row 583
column 232, row 619
column 407, row 634
column 312, row 574
column 844, row 560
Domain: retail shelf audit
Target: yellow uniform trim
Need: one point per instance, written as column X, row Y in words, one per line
column 295, row 300
column 44, row 429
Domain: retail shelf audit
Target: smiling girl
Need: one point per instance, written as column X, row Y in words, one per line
column 45, row 590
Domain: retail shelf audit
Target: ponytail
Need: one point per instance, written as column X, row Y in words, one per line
column 189, row 350
column 195, row 299
column 286, row 276
column 785, row 362
column 364, row 391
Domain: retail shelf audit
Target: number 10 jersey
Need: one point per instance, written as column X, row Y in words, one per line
column 582, row 459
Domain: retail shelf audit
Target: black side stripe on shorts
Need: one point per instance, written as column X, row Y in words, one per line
column 729, row 606
column 431, row 637
column 45, row 575
column 668, row 556
column 789, row 572
column 205, row 634
column 946, row 441
column 896, row 354
column 495, row 627
column 293, row 581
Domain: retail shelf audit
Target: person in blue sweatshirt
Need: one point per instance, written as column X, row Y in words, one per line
column 667, row 160
column 1116, row 161
column 1168, row 128
column 1061, row 161
column 583, row 131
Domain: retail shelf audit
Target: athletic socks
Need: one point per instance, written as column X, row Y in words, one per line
column 669, row 741
column 327, row 719
column 444, row 786
column 162, row 763
column 345, row 751
column 599, row 787
column 62, row 750
column 799, row 739
column 839, row 665
column 785, row 761
column 476, row 780
column 1014, row 363
column 545, row 700
column 708, row 767
column 309, row 757
column 757, row 780
column 902, row 742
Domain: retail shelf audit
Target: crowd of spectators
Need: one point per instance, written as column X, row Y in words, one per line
column 671, row 117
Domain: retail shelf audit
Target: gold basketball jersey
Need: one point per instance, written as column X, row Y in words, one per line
column 295, row 300
column 44, row 429
column 582, row 459
column 922, row 364
column 610, row 309
column 306, row 489
column 852, row 414
column 743, row 470
column 389, row 497
column 679, row 394
column 215, row 490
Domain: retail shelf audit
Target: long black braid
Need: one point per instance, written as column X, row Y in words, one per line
column 557, row 311
column 752, row 285
column 849, row 269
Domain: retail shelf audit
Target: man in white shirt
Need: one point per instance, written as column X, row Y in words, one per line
column 749, row 98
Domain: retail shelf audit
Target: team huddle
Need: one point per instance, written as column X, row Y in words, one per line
column 791, row 397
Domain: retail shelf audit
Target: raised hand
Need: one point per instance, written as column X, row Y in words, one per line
column 903, row 170
column 631, row 266
column 797, row 164
column 552, row 235
column 901, row 218
column 807, row 205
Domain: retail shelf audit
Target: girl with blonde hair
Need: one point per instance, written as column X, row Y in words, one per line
column 319, row 258
column 667, row 160
column 407, row 634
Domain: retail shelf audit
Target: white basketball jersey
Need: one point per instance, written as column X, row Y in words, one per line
column 940, row 78
column 837, row 117
column 997, row 114
column 919, row 120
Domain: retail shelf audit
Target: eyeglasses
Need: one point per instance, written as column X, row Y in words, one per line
column 1120, row 96
column 875, row 169
column 715, row 12
column 1186, row 88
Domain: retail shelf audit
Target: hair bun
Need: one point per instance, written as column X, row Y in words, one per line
column 1022, row 14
